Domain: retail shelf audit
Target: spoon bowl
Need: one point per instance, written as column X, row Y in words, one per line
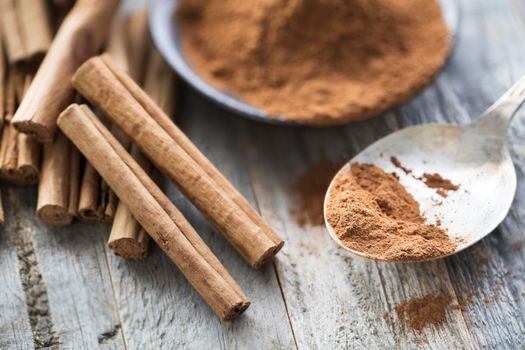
column 473, row 156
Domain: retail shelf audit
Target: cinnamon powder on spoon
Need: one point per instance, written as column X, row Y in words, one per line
column 432, row 180
column 439, row 183
column 372, row 213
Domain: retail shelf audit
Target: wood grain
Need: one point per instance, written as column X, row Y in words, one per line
column 15, row 329
column 74, row 274
column 331, row 299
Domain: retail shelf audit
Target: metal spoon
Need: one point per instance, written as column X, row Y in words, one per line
column 474, row 156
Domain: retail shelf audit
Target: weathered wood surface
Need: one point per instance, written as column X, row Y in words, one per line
column 15, row 329
column 62, row 288
column 68, row 291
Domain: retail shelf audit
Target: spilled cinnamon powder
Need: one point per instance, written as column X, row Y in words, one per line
column 309, row 189
column 372, row 213
column 428, row 310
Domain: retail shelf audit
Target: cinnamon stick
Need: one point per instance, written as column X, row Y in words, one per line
column 19, row 153
column 138, row 44
column 2, row 216
column 3, row 83
column 10, row 97
column 154, row 211
column 63, row 4
column 92, row 203
column 171, row 151
column 56, row 187
column 26, row 29
column 159, row 82
column 23, row 78
column 80, row 36
column 127, row 46
column 19, row 157
column 74, row 180
column 127, row 238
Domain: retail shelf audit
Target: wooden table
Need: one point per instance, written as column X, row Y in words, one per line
column 63, row 288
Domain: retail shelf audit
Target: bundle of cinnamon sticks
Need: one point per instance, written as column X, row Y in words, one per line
column 103, row 165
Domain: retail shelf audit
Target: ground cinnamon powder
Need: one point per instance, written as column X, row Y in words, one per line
column 372, row 213
column 439, row 183
column 432, row 180
column 309, row 189
column 428, row 310
column 316, row 61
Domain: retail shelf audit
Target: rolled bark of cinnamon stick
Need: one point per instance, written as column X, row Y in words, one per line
column 63, row 4
column 167, row 146
column 128, row 45
column 2, row 215
column 23, row 80
column 74, row 181
column 56, row 183
column 19, row 153
column 80, row 36
column 19, row 157
column 138, row 44
column 28, row 161
column 26, row 29
column 8, row 156
column 3, row 83
column 127, row 238
column 10, row 97
column 90, row 204
column 96, row 204
column 160, row 83
column 154, row 211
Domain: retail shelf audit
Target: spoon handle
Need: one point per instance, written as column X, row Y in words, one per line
column 501, row 112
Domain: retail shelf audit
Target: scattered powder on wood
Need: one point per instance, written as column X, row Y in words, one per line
column 309, row 189
column 516, row 246
column 465, row 301
column 488, row 296
column 316, row 61
column 482, row 257
column 372, row 213
column 428, row 310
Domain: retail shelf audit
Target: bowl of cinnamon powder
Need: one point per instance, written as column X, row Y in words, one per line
column 309, row 62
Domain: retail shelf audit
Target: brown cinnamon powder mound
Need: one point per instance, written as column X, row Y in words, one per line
column 310, row 189
column 316, row 61
column 372, row 213
column 428, row 310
